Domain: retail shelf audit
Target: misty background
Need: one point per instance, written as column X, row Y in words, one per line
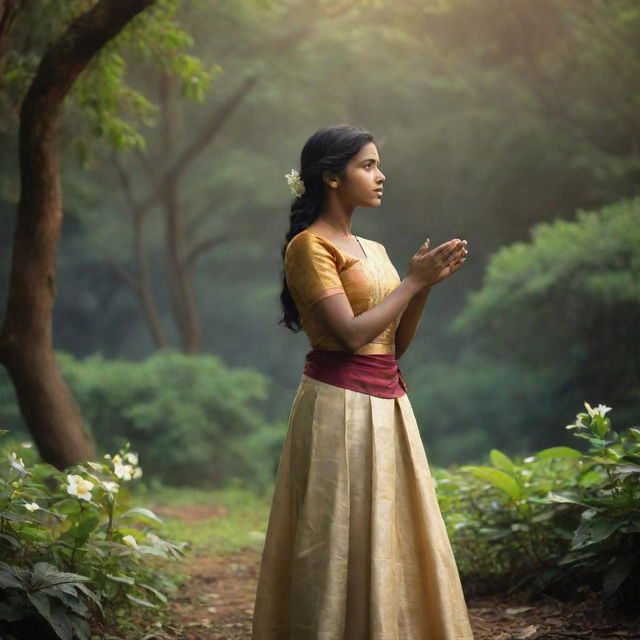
column 511, row 125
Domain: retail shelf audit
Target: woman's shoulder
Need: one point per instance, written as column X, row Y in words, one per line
column 308, row 241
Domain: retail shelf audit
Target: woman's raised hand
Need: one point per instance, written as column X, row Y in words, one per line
column 431, row 267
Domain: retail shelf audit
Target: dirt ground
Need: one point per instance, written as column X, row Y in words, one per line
column 217, row 604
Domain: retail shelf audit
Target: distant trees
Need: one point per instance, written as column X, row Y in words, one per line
column 189, row 218
column 567, row 306
column 554, row 324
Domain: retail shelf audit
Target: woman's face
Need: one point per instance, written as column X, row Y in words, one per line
column 361, row 183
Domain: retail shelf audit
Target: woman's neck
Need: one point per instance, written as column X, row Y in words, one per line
column 336, row 214
column 338, row 225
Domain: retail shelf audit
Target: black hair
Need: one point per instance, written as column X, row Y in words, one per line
column 325, row 153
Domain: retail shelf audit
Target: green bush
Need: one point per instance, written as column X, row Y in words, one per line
column 74, row 554
column 504, row 532
column 606, row 545
column 567, row 307
column 560, row 519
column 193, row 420
column 464, row 402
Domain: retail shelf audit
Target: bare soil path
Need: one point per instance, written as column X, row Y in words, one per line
column 217, row 604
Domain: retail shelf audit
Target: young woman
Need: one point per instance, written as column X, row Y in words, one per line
column 356, row 547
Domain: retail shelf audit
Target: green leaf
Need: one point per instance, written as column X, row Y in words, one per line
column 626, row 469
column 501, row 460
column 489, row 533
column 14, row 517
column 87, row 592
column 143, row 512
column 612, row 454
column 558, row 452
column 57, row 619
column 590, row 478
column 556, row 497
column 14, row 543
column 157, row 593
column 8, row 577
column 618, row 573
column 123, row 579
column 593, row 529
column 144, row 603
column 47, row 575
column 69, row 597
column 153, row 551
column 498, row 479
column 82, row 530
column 81, row 628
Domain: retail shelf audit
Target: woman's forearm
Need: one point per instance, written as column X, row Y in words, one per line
column 352, row 332
column 372, row 322
column 410, row 321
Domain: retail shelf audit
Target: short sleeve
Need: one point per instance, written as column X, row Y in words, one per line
column 311, row 269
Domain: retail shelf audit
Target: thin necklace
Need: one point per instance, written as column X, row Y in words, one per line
column 352, row 235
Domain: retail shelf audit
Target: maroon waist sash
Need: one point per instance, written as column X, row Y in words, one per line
column 374, row 374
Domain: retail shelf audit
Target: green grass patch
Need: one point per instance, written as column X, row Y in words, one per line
column 213, row 521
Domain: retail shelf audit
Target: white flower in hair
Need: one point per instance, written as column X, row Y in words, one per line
column 295, row 183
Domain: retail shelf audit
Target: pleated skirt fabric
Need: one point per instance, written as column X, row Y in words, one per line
column 356, row 547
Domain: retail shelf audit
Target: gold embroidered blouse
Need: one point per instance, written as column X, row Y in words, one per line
column 315, row 269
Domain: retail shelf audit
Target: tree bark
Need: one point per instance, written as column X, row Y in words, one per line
column 141, row 283
column 26, row 347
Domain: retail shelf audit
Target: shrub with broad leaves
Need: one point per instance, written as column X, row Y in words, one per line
column 73, row 552
column 560, row 519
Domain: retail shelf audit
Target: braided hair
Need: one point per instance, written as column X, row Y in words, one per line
column 325, row 153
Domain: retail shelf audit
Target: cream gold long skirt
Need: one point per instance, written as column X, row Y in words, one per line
column 356, row 547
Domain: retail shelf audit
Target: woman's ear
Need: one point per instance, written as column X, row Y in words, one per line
column 332, row 181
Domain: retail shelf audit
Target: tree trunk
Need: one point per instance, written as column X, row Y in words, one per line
column 141, row 282
column 26, row 348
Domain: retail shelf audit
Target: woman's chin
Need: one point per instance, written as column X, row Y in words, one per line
column 374, row 203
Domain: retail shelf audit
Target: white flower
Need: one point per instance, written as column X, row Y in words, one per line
column 31, row 506
column 17, row 463
column 295, row 183
column 130, row 541
column 529, row 459
column 600, row 410
column 126, row 471
column 110, row 486
column 27, row 445
column 79, row 487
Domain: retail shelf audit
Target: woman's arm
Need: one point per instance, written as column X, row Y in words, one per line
column 410, row 321
column 353, row 332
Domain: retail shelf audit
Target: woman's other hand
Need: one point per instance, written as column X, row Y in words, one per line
column 431, row 267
